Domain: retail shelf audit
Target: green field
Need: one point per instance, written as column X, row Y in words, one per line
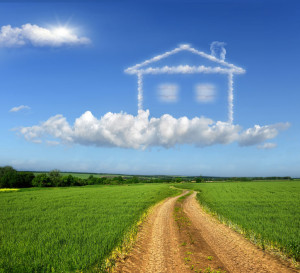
column 266, row 212
column 69, row 229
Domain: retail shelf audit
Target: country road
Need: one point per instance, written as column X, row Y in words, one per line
column 180, row 237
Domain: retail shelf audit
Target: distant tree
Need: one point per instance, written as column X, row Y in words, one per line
column 104, row 180
column 55, row 177
column 67, row 181
column 199, row 179
column 5, row 169
column 8, row 177
column 135, row 180
column 42, row 180
column 118, row 180
column 25, row 179
column 132, row 180
column 178, row 179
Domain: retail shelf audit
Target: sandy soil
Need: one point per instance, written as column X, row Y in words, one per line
column 157, row 247
column 237, row 253
column 180, row 237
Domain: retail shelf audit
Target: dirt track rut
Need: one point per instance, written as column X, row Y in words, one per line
column 157, row 246
column 201, row 242
column 236, row 253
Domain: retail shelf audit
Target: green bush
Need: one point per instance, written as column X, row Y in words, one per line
column 42, row 180
column 10, row 178
column 55, row 177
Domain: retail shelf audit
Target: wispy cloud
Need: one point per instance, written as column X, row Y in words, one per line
column 168, row 92
column 35, row 35
column 19, row 108
column 52, row 142
column 267, row 145
column 217, row 59
column 184, row 47
column 218, row 50
column 141, row 131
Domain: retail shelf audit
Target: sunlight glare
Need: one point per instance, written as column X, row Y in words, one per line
column 62, row 31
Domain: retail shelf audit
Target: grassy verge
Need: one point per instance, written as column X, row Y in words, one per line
column 70, row 229
column 265, row 212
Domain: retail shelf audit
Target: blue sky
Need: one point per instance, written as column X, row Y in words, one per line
column 75, row 76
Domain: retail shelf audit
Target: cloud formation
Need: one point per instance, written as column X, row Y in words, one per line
column 19, row 108
column 217, row 57
column 218, row 50
column 258, row 134
column 139, row 132
column 186, row 47
column 34, row 35
column 267, row 145
column 168, row 92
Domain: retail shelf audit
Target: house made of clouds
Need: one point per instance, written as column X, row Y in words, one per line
column 212, row 64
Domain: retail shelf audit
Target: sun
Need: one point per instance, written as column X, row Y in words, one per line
column 62, row 31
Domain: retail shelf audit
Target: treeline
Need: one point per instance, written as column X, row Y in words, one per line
column 258, row 178
column 10, row 178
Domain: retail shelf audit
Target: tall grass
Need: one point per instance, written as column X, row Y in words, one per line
column 69, row 229
column 266, row 212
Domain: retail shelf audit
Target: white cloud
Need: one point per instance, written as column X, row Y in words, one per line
column 37, row 141
column 217, row 50
column 217, row 56
column 267, row 145
column 258, row 134
column 29, row 34
column 19, row 108
column 205, row 92
column 52, row 142
column 187, row 69
column 141, row 131
column 168, row 92
column 137, row 68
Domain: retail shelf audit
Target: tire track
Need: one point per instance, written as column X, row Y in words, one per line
column 157, row 248
column 237, row 254
column 161, row 245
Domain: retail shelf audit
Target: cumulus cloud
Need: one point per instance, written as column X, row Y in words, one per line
column 141, row 131
column 267, row 145
column 258, row 134
column 205, row 92
column 168, row 92
column 19, row 108
column 29, row 34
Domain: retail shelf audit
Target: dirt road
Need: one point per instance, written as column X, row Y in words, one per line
column 236, row 253
column 157, row 246
column 180, row 237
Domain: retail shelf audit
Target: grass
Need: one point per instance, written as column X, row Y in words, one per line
column 69, row 229
column 268, row 213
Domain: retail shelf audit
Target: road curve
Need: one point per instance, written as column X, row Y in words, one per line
column 198, row 243
column 236, row 253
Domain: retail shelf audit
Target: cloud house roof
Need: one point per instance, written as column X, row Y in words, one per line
column 224, row 67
